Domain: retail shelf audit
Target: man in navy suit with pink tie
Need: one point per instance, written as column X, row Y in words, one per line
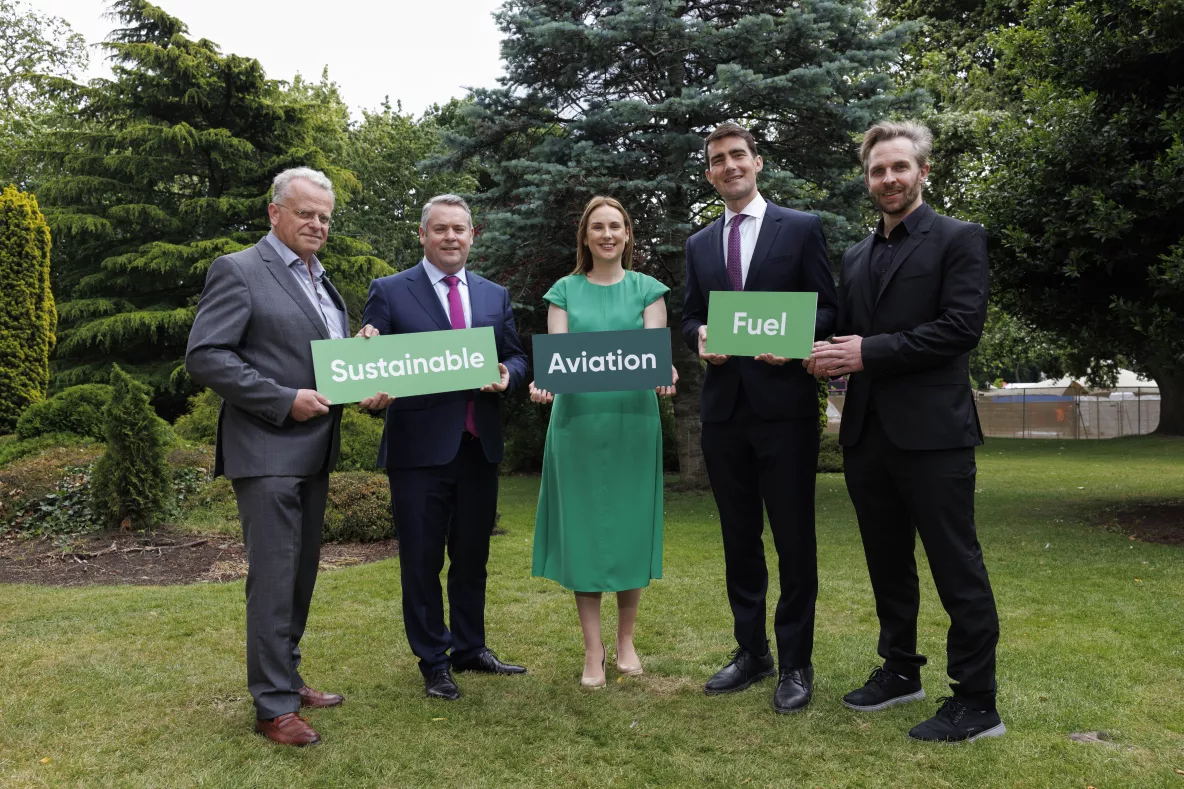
column 441, row 451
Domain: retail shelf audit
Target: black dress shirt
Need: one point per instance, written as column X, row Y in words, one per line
column 885, row 248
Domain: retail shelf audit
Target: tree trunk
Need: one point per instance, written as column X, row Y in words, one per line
column 1171, row 400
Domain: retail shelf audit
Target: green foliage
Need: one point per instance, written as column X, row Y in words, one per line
column 167, row 166
column 359, row 508
column 69, row 509
column 201, row 423
column 131, row 485
column 11, row 451
column 27, row 314
column 1014, row 351
column 40, row 472
column 79, row 410
column 360, row 435
column 525, row 426
column 830, row 455
column 611, row 97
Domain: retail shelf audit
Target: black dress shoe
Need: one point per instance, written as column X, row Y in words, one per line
column 744, row 669
column 486, row 662
column 441, row 685
column 795, row 688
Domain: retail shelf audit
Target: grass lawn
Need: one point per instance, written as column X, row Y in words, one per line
column 145, row 687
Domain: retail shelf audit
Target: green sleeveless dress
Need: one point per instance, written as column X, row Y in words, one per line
column 599, row 522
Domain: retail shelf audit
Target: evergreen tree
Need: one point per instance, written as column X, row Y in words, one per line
column 169, row 167
column 615, row 96
column 131, row 484
column 27, row 314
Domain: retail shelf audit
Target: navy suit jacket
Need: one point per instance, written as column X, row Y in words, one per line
column 790, row 255
column 425, row 430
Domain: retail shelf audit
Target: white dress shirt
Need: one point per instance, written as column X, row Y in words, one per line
column 750, row 230
column 441, row 288
column 311, row 279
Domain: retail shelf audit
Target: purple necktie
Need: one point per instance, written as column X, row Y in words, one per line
column 456, row 316
column 735, row 273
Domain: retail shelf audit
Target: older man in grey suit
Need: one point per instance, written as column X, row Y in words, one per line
column 278, row 438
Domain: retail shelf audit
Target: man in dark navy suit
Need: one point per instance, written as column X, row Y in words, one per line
column 441, row 451
column 760, row 419
column 913, row 300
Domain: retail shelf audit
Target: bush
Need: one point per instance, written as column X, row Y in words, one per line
column 200, row 424
column 525, row 428
column 359, row 508
column 28, row 317
column 360, row 436
column 39, row 474
column 132, row 484
column 11, row 451
column 77, row 410
column 830, row 455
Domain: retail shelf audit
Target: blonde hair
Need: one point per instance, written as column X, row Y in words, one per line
column 917, row 133
column 583, row 254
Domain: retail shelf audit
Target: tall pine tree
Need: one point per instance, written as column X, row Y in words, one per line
column 615, row 97
column 168, row 167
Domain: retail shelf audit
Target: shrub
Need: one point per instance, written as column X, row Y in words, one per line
column 132, row 484
column 12, row 451
column 201, row 423
column 525, row 428
column 39, row 474
column 830, row 455
column 360, row 436
column 359, row 508
column 28, row 317
column 77, row 410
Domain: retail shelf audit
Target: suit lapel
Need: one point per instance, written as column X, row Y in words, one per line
column 477, row 293
column 421, row 288
column 717, row 267
column 910, row 245
column 770, row 228
column 859, row 278
column 283, row 276
column 338, row 302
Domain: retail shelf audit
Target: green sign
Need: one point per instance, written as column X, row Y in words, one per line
column 749, row 323
column 353, row 369
column 602, row 361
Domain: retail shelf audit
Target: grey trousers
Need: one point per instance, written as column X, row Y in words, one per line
column 281, row 519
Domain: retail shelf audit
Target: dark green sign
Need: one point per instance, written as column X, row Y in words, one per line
column 427, row 362
column 602, row 361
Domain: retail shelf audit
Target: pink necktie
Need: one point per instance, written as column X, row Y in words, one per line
column 735, row 272
column 456, row 316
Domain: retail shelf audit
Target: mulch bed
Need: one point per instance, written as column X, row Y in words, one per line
column 1161, row 522
column 162, row 558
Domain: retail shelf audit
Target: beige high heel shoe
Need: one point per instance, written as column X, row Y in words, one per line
column 628, row 671
column 594, row 682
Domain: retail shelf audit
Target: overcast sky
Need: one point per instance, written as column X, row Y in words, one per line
column 419, row 52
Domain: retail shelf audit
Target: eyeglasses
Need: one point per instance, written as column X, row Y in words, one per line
column 305, row 216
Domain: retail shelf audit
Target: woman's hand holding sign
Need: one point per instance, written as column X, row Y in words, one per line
column 540, row 395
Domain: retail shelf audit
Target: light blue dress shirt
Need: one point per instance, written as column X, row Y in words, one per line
column 336, row 321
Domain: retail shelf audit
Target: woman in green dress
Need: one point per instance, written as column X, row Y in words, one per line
column 599, row 522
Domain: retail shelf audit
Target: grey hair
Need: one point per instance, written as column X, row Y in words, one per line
column 283, row 182
column 917, row 133
column 446, row 199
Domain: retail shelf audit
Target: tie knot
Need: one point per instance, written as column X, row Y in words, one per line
column 737, row 219
column 451, row 279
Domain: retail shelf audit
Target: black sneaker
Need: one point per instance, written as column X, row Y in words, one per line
column 883, row 689
column 955, row 722
column 742, row 670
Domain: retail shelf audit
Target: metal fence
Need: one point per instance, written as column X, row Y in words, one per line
column 1039, row 413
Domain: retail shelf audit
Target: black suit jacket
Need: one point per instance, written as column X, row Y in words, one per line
column 790, row 255
column 918, row 332
column 425, row 430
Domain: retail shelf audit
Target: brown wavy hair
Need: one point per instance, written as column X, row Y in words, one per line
column 583, row 254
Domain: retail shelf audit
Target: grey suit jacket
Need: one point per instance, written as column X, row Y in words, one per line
column 250, row 344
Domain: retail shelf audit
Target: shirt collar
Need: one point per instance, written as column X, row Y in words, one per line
column 435, row 274
column 290, row 258
column 909, row 223
column 754, row 209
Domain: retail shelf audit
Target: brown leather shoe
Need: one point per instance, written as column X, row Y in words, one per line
column 314, row 698
column 288, row 729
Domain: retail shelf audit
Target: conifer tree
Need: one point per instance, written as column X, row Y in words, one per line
column 27, row 314
column 131, row 483
column 168, row 168
column 615, row 96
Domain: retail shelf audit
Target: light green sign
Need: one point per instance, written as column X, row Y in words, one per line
column 749, row 323
column 405, row 364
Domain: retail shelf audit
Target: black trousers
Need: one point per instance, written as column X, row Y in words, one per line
column 281, row 519
column 899, row 493
column 757, row 466
column 449, row 507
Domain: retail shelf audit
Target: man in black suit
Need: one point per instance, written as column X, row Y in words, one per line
column 912, row 302
column 760, row 419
